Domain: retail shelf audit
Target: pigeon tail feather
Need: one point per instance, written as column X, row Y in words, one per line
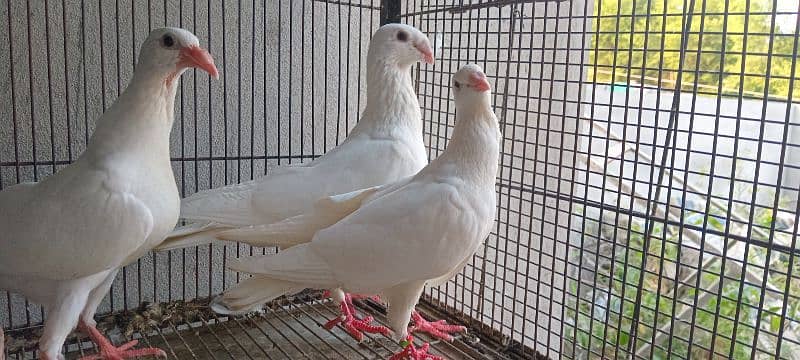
column 191, row 235
column 284, row 234
column 251, row 294
column 298, row 264
column 229, row 205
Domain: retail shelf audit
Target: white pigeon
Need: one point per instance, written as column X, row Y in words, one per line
column 386, row 145
column 65, row 237
column 391, row 240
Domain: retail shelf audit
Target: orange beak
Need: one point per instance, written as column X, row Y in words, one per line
column 425, row 50
column 479, row 82
column 197, row 57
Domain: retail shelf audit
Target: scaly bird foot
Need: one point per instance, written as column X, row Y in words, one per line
column 439, row 329
column 412, row 353
column 354, row 326
column 110, row 352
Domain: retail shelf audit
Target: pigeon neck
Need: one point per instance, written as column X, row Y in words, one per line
column 140, row 120
column 391, row 101
column 156, row 90
column 475, row 146
column 153, row 97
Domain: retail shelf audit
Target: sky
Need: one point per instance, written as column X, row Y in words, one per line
column 787, row 24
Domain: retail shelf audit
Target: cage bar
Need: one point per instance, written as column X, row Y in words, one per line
column 648, row 197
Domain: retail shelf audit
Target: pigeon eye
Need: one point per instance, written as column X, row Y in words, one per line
column 402, row 36
column 168, row 41
column 457, row 84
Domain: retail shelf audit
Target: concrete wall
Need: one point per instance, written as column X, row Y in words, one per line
column 260, row 109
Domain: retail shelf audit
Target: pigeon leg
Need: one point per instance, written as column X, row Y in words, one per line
column 439, row 329
column 354, row 326
column 61, row 319
column 109, row 352
column 410, row 352
column 340, row 297
column 95, row 297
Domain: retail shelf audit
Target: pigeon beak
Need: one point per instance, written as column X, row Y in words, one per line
column 197, row 57
column 479, row 81
column 425, row 50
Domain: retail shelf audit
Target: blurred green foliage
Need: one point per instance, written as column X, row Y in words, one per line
column 636, row 38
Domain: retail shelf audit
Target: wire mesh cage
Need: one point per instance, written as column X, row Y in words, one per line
column 647, row 197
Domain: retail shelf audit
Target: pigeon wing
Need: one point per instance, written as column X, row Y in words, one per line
column 47, row 226
column 414, row 233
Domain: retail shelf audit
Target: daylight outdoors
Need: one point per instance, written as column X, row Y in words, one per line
column 711, row 256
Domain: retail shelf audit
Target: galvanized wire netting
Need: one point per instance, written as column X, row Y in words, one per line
column 649, row 188
column 648, row 197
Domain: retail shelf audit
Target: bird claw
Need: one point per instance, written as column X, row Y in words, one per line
column 110, row 352
column 438, row 329
column 410, row 352
column 354, row 326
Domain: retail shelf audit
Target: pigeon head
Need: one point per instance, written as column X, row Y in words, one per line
column 170, row 51
column 401, row 44
column 470, row 86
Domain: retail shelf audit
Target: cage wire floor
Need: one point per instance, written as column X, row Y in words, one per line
column 289, row 328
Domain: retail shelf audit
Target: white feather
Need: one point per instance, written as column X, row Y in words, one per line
column 395, row 239
column 386, row 145
column 301, row 228
column 64, row 239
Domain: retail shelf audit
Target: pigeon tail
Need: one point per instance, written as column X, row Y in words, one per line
column 190, row 236
column 251, row 294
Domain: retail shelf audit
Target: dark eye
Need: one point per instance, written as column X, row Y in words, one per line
column 402, row 36
column 168, row 41
column 457, row 84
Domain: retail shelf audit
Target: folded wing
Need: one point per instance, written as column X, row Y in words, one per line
column 48, row 225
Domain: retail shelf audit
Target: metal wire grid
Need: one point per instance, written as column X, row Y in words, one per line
column 618, row 181
column 259, row 115
column 287, row 329
column 569, row 182
column 500, row 290
column 64, row 62
column 90, row 52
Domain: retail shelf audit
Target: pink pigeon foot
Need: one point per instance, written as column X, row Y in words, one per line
column 412, row 353
column 353, row 325
column 109, row 352
column 439, row 329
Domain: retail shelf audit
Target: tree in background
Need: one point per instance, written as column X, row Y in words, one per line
column 640, row 41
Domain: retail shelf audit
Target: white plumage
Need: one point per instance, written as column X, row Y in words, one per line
column 392, row 239
column 65, row 238
column 385, row 145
